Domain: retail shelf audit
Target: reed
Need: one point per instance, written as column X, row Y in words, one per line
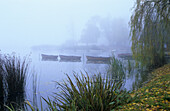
column 116, row 69
column 90, row 94
column 15, row 71
column 1, row 93
column 1, row 85
column 34, row 86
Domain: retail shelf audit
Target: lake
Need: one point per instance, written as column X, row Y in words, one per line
column 41, row 81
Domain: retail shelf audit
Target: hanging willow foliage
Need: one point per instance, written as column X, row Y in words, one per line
column 150, row 32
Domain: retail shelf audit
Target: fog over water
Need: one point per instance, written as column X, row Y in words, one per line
column 63, row 27
column 25, row 23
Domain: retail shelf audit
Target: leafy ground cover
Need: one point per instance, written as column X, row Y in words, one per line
column 153, row 96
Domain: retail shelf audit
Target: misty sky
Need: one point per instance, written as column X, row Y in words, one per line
column 24, row 23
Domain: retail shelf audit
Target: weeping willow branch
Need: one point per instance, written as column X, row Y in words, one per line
column 150, row 27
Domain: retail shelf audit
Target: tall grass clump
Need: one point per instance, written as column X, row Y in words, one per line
column 15, row 71
column 1, row 90
column 1, row 77
column 116, row 69
column 90, row 94
column 1, row 84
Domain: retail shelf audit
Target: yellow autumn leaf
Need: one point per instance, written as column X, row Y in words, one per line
column 168, row 92
column 147, row 90
column 132, row 95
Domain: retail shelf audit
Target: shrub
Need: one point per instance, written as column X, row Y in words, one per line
column 90, row 94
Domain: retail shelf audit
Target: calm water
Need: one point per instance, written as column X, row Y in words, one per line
column 47, row 72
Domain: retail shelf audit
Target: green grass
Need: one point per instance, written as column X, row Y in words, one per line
column 90, row 94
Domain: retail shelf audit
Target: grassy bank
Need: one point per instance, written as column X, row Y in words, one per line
column 155, row 95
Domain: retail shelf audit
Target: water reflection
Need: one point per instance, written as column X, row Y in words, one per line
column 136, row 75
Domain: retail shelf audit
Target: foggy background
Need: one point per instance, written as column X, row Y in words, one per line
column 27, row 23
column 75, row 27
